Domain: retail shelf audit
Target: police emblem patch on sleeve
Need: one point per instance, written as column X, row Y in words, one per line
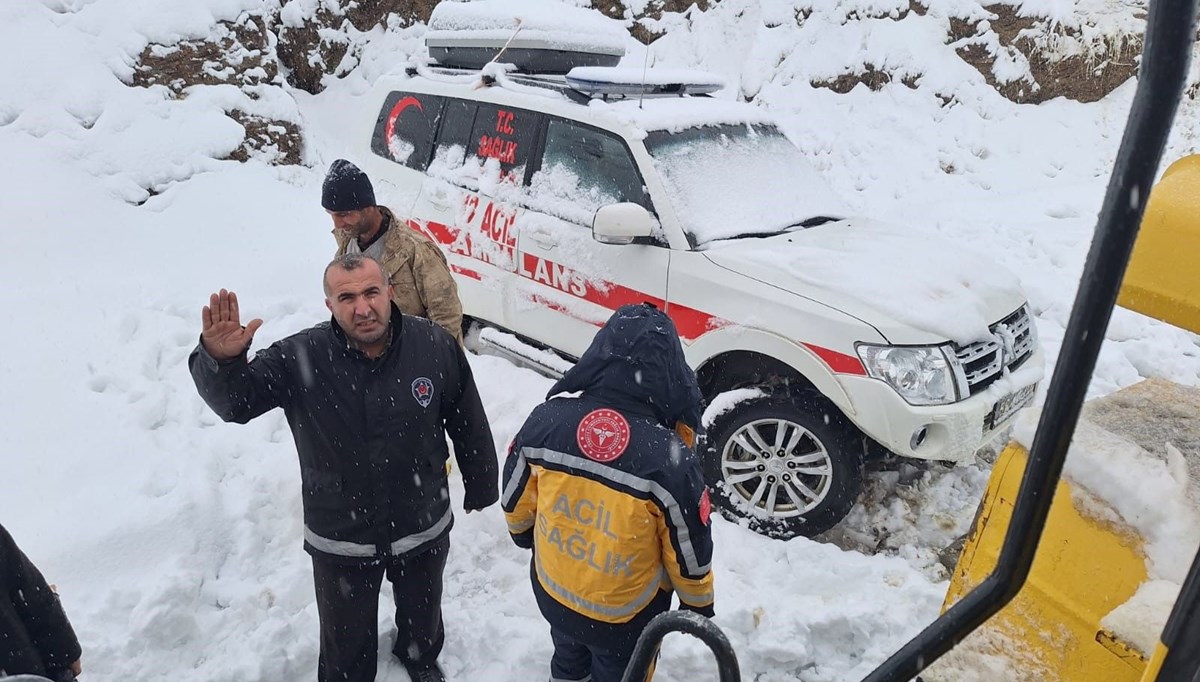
column 422, row 389
column 603, row 435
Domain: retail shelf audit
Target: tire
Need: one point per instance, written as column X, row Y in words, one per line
column 816, row 475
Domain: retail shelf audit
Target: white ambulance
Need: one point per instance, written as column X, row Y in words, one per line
column 560, row 192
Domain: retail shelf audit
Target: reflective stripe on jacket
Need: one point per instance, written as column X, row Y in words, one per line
column 370, row 433
column 608, row 536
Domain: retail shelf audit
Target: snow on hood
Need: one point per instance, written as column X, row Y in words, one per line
column 548, row 23
column 875, row 272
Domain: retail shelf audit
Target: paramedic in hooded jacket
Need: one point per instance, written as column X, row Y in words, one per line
column 370, row 397
column 607, row 492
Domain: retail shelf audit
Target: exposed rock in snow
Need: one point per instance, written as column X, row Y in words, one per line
column 239, row 53
column 1027, row 52
column 1033, row 53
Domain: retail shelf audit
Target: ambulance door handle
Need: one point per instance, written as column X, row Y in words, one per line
column 439, row 199
column 543, row 240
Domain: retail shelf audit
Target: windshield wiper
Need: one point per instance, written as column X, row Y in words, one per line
column 813, row 222
column 806, row 223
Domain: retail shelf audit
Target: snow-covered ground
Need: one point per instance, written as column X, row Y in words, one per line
column 175, row 539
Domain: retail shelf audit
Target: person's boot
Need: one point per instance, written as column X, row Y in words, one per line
column 424, row 672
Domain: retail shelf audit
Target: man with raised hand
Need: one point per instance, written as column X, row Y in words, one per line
column 370, row 397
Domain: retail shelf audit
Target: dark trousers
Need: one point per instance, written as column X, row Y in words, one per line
column 348, row 609
column 576, row 661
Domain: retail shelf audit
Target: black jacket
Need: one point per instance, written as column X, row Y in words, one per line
column 371, row 434
column 35, row 636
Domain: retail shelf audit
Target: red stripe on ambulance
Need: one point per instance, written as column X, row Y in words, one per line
column 838, row 362
column 466, row 272
column 691, row 323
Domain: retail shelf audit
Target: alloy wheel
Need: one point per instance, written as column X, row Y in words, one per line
column 777, row 467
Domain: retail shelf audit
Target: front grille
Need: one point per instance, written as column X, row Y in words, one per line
column 977, row 365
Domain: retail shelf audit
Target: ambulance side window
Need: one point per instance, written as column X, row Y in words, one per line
column 506, row 134
column 404, row 128
column 454, row 134
column 582, row 169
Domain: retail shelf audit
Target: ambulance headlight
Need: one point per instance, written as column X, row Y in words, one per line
column 922, row 375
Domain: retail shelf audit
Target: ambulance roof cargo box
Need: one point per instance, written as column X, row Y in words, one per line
column 537, row 36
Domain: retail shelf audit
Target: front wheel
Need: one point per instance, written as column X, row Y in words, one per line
column 784, row 466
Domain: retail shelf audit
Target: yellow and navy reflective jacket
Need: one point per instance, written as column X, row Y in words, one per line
column 612, row 501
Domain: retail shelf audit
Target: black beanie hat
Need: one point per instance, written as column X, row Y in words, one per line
column 346, row 188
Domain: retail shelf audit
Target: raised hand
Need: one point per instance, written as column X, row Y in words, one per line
column 223, row 335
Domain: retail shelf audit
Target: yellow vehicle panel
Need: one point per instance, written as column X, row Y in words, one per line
column 1085, row 567
column 1087, row 563
column 1162, row 280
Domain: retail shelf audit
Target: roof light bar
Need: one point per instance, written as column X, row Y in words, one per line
column 634, row 81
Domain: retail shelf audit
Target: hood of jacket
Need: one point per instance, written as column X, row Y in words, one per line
column 636, row 363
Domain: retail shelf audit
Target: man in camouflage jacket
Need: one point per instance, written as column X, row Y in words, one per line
column 417, row 268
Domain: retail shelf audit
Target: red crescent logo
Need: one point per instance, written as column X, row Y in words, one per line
column 404, row 103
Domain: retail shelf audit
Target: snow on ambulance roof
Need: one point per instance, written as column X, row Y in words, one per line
column 546, row 24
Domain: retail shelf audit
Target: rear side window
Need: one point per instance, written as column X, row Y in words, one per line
column 454, row 137
column 405, row 128
column 505, row 134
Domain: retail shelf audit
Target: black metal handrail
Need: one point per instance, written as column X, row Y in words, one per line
column 1161, row 78
column 1182, row 663
column 693, row 624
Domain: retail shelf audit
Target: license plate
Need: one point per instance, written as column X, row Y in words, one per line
column 1009, row 404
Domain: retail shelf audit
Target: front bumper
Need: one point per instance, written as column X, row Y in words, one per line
column 953, row 433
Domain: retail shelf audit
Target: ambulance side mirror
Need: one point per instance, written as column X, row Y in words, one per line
column 622, row 223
